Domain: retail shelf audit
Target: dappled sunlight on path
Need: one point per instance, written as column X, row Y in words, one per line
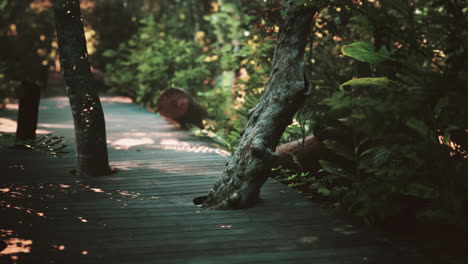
column 8, row 125
column 117, row 99
column 126, row 143
column 145, row 211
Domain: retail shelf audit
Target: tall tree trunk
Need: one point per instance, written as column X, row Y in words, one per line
column 90, row 132
column 250, row 166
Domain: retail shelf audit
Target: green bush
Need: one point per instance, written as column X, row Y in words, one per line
column 411, row 162
column 152, row 61
column 404, row 108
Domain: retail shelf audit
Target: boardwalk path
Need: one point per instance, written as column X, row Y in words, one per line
column 145, row 214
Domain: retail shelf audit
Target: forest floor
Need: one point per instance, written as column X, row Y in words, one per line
column 145, row 213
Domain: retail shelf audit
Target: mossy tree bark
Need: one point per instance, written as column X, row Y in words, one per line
column 90, row 132
column 250, row 166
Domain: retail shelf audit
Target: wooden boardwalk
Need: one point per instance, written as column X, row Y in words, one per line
column 145, row 214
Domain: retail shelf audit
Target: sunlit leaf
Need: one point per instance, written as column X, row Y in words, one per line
column 369, row 81
column 365, row 52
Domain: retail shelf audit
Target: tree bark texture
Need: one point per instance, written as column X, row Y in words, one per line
column 28, row 110
column 250, row 166
column 90, row 132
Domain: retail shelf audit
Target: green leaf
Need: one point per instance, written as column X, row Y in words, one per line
column 330, row 167
column 369, row 150
column 324, row 191
column 295, row 184
column 365, row 52
column 419, row 126
column 292, row 177
column 276, row 168
column 369, row 81
column 381, row 156
column 359, row 146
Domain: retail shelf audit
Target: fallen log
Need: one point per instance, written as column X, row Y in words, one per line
column 178, row 107
column 310, row 150
column 307, row 152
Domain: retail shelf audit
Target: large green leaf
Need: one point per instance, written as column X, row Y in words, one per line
column 369, row 81
column 365, row 52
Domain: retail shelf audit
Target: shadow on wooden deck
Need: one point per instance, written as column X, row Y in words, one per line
column 145, row 214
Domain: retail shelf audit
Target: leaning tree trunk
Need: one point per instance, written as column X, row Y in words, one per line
column 250, row 166
column 90, row 132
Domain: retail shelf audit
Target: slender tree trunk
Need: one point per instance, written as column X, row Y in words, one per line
column 28, row 110
column 90, row 132
column 250, row 166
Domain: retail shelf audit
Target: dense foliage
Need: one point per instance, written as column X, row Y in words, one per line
column 408, row 151
column 138, row 73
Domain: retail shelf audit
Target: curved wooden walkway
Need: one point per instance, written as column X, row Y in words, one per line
column 145, row 214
